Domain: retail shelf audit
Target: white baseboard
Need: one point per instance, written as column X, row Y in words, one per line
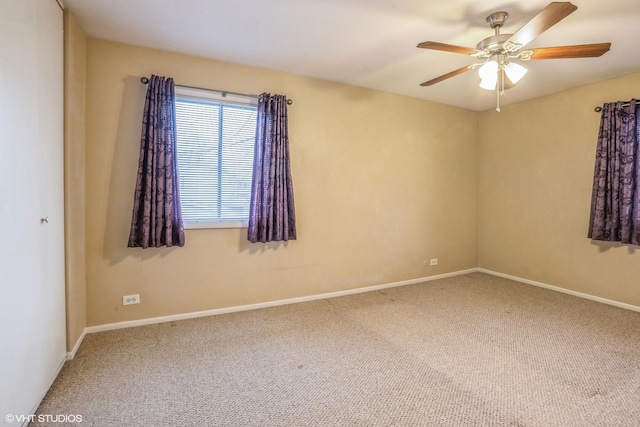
column 193, row 315
column 71, row 354
column 563, row 290
column 213, row 312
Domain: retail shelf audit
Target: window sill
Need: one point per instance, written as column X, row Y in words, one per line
column 199, row 225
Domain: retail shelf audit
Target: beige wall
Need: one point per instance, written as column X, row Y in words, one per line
column 382, row 182
column 75, row 59
column 536, row 170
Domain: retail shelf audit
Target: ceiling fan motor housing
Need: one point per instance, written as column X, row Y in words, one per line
column 498, row 44
column 494, row 44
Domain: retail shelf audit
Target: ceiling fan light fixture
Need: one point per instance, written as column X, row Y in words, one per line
column 489, row 83
column 489, row 74
column 488, row 70
column 515, row 71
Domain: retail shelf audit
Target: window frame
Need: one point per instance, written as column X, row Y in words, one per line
column 188, row 92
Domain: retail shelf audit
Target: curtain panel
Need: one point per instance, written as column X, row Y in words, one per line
column 615, row 200
column 156, row 219
column 272, row 212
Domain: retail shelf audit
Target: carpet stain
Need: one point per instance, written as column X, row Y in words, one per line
column 595, row 393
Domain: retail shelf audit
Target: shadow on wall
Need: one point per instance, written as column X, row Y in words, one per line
column 608, row 246
column 244, row 245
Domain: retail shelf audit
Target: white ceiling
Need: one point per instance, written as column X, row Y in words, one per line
column 372, row 43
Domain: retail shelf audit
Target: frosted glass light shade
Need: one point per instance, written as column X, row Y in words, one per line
column 488, row 70
column 489, row 83
column 489, row 75
column 515, row 71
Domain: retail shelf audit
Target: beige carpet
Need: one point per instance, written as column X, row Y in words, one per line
column 472, row 350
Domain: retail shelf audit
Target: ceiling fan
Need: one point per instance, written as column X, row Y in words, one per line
column 498, row 69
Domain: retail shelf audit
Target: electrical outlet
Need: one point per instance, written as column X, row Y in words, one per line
column 433, row 261
column 131, row 299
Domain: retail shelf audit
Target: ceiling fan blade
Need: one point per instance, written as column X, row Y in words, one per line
column 447, row 76
column 547, row 18
column 447, row 47
column 575, row 51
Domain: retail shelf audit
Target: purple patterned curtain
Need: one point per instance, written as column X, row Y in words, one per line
column 615, row 200
column 272, row 214
column 157, row 220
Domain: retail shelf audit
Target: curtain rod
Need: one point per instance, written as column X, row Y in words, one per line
column 599, row 109
column 145, row 80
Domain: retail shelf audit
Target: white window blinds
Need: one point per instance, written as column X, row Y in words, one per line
column 215, row 140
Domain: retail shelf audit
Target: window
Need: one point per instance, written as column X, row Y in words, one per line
column 215, row 138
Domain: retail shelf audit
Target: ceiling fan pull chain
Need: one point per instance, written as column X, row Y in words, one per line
column 498, row 98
